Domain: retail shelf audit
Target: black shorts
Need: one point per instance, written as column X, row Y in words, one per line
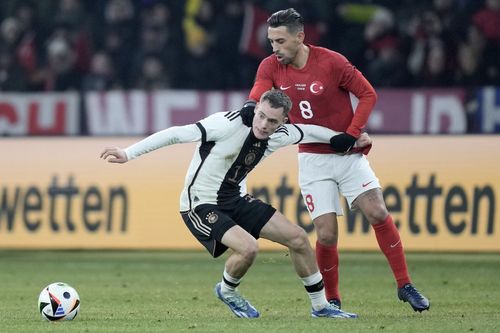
column 208, row 223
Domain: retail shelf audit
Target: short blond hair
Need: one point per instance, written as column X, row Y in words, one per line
column 277, row 99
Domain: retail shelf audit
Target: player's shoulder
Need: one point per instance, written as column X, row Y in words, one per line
column 224, row 115
column 233, row 117
column 327, row 54
column 285, row 135
column 221, row 125
column 279, row 135
column 224, row 119
column 285, row 130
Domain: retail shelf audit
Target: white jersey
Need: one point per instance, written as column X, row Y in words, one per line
column 226, row 153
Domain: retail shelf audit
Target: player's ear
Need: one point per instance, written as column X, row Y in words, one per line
column 285, row 120
column 256, row 107
column 300, row 36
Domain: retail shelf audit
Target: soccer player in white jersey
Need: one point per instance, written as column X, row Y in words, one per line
column 215, row 206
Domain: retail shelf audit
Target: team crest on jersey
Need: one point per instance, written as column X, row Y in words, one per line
column 250, row 158
column 317, row 88
column 212, row 217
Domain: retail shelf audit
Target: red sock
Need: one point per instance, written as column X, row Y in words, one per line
column 327, row 257
column 389, row 242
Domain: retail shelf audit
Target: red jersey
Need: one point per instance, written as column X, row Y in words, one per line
column 319, row 92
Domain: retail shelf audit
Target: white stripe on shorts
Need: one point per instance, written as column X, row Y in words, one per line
column 197, row 223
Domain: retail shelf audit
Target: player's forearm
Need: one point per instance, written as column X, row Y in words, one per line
column 361, row 115
column 367, row 96
column 316, row 134
column 169, row 136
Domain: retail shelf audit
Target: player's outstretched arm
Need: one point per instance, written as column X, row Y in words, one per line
column 114, row 155
column 214, row 124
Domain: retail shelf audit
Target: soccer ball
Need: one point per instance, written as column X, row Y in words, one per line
column 58, row 301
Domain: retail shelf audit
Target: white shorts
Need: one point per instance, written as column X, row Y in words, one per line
column 323, row 176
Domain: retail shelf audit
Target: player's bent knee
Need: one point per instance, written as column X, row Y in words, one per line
column 327, row 239
column 299, row 241
column 377, row 214
column 327, row 235
column 326, row 229
column 250, row 251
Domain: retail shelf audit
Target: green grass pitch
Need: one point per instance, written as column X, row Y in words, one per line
column 172, row 291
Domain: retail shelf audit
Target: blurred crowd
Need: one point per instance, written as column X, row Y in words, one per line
column 60, row 45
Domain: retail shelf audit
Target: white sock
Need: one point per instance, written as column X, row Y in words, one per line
column 316, row 290
column 229, row 284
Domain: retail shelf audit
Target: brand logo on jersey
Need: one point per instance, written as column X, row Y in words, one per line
column 250, row 158
column 249, row 198
column 316, row 88
column 212, row 217
column 285, row 88
column 257, row 144
column 366, row 184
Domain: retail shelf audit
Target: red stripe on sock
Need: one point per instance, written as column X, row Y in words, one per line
column 389, row 242
column 327, row 257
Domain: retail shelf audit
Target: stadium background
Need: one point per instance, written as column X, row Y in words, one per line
column 76, row 76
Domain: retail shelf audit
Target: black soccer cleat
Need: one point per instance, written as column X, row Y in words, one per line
column 411, row 295
column 335, row 302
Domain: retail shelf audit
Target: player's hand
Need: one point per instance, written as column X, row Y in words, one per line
column 247, row 112
column 115, row 154
column 363, row 141
column 342, row 143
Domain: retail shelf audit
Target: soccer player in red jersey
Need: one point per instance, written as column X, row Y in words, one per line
column 318, row 81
